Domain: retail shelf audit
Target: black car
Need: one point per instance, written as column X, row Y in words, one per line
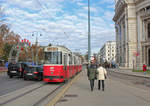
column 33, row 72
column 16, row 69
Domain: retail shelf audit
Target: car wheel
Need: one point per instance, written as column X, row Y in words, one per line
column 25, row 78
column 10, row 76
column 40, row 78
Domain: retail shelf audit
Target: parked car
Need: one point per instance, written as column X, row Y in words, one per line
column 16, row 69
column 33, row 72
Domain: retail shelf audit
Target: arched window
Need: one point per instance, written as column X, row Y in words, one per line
column 149, row 30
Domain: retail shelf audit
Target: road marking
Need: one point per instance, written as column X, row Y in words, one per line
column 63, row 91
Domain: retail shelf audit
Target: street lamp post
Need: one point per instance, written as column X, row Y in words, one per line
column 89, row 37
column 36, row 44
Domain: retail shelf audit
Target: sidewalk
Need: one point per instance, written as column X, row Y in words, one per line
column 3, row 69
column 115, row 94
column 140, row 74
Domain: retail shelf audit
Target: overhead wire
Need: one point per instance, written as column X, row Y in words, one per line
column 43, row 7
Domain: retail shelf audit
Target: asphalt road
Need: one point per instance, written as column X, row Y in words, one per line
column 8, row 85
column 17, row 92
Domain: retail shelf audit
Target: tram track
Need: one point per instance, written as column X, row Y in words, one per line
column 49, row 94
column 21, row 95
column 46, row 97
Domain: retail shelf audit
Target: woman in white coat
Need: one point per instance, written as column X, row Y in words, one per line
column 101, row 76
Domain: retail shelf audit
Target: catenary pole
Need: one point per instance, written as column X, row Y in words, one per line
column 89, row 32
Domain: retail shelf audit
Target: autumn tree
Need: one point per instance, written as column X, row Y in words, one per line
column 41, row 55
column 6, row 49
column 1, row 31
column 23, row 56
column 7, row 40
column 39, row 52
column 49, row 44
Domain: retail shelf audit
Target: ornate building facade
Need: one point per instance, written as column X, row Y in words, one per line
column 132, row 24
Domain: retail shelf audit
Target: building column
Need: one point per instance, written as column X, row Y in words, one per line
column 132, row 33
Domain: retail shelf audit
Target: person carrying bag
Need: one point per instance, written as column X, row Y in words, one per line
column 101, row 76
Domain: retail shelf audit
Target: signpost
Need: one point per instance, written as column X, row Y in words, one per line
column 135, row 54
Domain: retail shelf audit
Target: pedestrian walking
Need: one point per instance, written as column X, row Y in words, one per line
column 92, row 71
column 101, row 76
column 144, row 68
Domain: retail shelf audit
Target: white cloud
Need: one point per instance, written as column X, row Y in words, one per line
column 111, row 6
column 92, row 9
column 106, row 1
column 80, row 4
column 108, row 15
column 49, row 18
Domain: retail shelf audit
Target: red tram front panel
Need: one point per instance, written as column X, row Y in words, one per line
column 56, row 73
column 53, row 73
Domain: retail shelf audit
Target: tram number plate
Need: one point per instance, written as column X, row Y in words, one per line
column 29, row 74
column 13, row 71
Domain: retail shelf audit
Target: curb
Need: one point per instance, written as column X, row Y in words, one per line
column 133, row 75
column 63, row 91
column 2, row 71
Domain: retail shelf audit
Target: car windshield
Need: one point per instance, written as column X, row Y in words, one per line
column 53, row 58
column 31, row 69
column 40, row 69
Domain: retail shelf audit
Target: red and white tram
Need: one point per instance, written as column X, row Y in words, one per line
column 60, row 64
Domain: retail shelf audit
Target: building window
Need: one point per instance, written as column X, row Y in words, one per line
column 149, row 30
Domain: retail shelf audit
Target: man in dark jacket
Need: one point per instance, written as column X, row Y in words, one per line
column 92, row 71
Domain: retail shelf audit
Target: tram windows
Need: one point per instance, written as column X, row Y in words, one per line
column 59, row 57
column 53, row 57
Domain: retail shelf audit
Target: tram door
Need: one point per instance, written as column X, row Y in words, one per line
column 70, row 63
column 149, row 57
column 65, row 66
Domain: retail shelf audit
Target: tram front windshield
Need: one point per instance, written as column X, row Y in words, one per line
column 53, row 57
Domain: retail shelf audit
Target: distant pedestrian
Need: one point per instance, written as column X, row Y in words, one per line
column 101, row 76
column 144, row 68
column 92, row 69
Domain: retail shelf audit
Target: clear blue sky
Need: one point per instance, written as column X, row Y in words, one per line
column 52, row 18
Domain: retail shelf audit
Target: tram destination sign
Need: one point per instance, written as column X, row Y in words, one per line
column 52, row 49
